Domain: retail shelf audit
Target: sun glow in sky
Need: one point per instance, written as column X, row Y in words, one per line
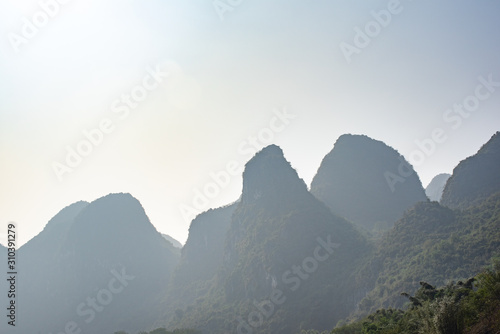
column 227, row 82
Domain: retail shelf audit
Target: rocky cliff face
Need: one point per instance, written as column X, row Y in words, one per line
column 201, row 257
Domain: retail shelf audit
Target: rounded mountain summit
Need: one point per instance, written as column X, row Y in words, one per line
column 367, row 182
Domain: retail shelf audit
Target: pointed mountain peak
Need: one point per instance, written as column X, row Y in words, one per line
column 268, row 173
column 268, row 152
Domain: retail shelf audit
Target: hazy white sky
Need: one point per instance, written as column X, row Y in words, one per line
column 73, row 71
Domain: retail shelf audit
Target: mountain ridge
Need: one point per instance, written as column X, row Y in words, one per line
column 279, row 253
column 475, row 178
column 269, row 234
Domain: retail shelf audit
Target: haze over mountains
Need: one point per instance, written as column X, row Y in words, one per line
column 277, row 226
column 280, row 259
column 174, row 242
column 434, row 190
column 99, row 265
column 367, row 182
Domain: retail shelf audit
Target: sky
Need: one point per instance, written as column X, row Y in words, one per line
column 168, row 99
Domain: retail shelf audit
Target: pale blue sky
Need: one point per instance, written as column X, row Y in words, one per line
column 226, row 79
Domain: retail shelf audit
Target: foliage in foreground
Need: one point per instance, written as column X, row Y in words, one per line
column 471, row 307
column 164, row 331
column 430, row 243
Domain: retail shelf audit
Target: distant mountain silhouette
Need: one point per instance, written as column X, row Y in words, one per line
column 106, row 252
column 277, row 226
column 475, row 178
column 367, row 182
column 41, row 264
column 434, row 190
column 174, row 242
column 279, row 260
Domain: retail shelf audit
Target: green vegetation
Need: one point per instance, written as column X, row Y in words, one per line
column 279, row 260
column 275, row 226
column 470, row 307
column 431, row 243
column 164, row 331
